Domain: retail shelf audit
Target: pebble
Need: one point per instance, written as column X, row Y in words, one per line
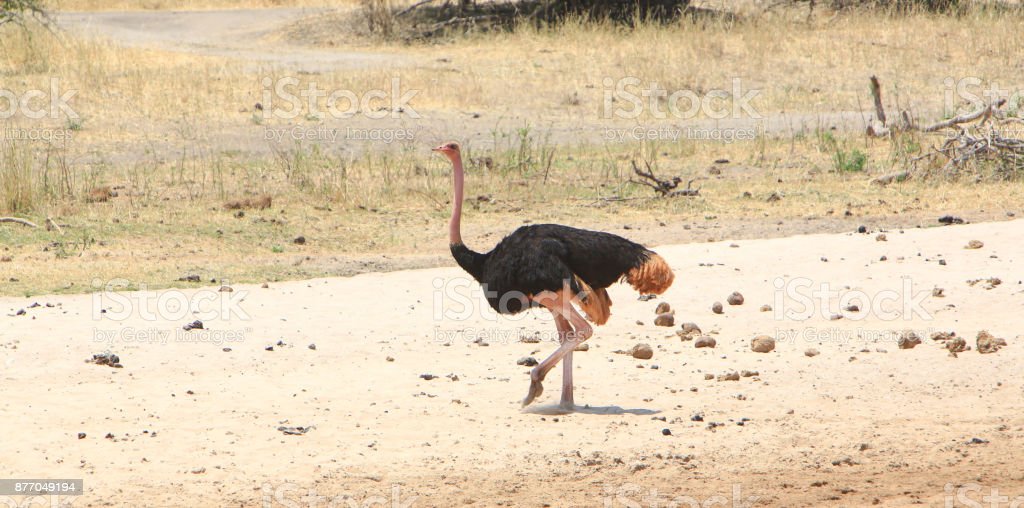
column 663, row 308
column 811, row 352
column 704, row 341
column 762, row 344
column 735, row 298
column 527, row 361
column 716, row 307
column 665, row 319
column 642, row 352
column 908, row 339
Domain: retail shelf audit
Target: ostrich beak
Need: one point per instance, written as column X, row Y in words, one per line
column 437, row 149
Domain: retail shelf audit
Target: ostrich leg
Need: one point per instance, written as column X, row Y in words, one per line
column 562, row 308
column 564, row 329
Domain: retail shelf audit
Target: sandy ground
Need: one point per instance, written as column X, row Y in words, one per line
column 193, row 418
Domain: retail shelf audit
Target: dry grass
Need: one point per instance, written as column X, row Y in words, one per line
column 389, row 207
column 187, row 5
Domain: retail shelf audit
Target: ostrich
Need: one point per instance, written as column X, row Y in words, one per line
column 554, row 266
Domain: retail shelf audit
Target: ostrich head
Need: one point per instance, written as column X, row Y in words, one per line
column 450, row 150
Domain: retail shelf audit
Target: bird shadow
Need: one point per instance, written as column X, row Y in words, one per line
column 555, row 409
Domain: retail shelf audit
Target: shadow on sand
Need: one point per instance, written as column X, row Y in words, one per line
column 555, row 409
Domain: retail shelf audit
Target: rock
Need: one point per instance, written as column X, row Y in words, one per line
column 527, row 361
column 987, row 343
column 642, row 352
column 735, row 298
column 690, row 329
column 881, row 238
column 389, row 359
column 195, row 325
column 226, row 289
column 766, row 308
column 811, row 352
column 762, row 344
column 582, row 347
column 943, row 335
column 949, row 219
column 938, row 292
column 956, row 345
column 704, row 341
column 716, row 307
column 108, row 359
column 862, row 229
column 709, row 377
column 264, row 285
column 749, row 373
column 844, row 461
column 907, row 340
column 312, row 346
column 81, row 435
column 666, row 432
column 299, row 240
column 427, row 377
column 663, row 308
column 729, row 376
column 974, row 244
column 666, row 319
column 852, row 308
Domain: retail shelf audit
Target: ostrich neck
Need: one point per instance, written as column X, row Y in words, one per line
column 455, row 226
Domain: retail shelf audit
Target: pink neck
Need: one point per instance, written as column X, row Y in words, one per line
column 454, row 227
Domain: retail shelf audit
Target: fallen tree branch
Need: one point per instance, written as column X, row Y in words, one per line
column 663, row 187
column 17, row 220
column 984, row 113
column 412, row 7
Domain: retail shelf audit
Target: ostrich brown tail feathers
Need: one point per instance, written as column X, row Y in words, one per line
column 594, row 302
column 652, row 277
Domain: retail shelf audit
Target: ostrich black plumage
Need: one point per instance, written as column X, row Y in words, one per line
column 554, row 266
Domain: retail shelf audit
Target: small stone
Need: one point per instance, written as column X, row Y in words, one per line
column 225, row 289
column 762, row 344
column 312, row 346
column 264, row 285
column 666, row 319
column 427, row 377
column 666, row 432
column 195, row 325
column 527, row 361
column 811, row 352
column 642, row 352
column 881, row 238
column 907, row 340
column 942, row 262
column 749, row 373
column 766, row 308
column 690, row 328
column 709, row 377
column 987, row 343
column 704, row 341
column 974, row 244
column 729, row 376
column 81, row 435
column 938, row 292
column 943, row 335
column 957, row 345
column 389, row 359
column 299, row 240
column 582, row 347
column 716, row 307
column 735, row 298
column 852, row 308
column 663, row 308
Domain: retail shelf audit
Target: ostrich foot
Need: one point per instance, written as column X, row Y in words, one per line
column 535, row 388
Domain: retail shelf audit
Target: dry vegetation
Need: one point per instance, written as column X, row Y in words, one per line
column 162, row 131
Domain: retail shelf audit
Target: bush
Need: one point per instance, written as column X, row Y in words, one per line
column 15, row 11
